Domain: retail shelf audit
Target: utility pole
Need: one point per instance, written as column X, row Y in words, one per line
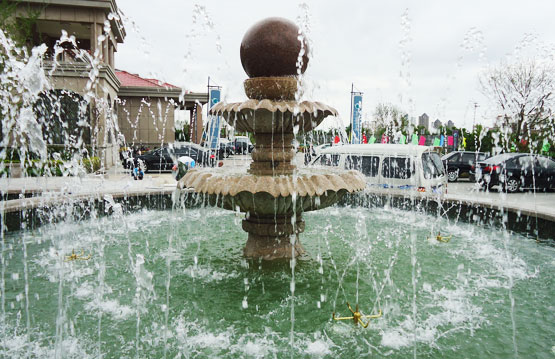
column 474, row 121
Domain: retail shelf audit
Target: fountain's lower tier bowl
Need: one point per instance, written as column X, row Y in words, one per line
column 273, row 204
column 272, row 195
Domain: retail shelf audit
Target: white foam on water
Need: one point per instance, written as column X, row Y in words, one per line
column 111, row 307
column 318, row 348
column 192, row 337
column 255, row 347
column 211, row 340
column 17, row 346
column 395, row 339
column 208, row 274
column 497, row 259
column 84, row 291
column 452, row 311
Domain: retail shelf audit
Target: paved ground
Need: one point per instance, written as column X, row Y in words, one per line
column 119, row 182
column 526, row 202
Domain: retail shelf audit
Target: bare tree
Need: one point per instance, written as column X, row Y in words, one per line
column 525, row 93
column 390, row 119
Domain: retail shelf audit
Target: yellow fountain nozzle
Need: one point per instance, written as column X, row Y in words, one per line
column 74, row 256
column 443, row 239
column 357, row 316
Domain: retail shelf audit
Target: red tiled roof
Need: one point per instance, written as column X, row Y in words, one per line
column 132, row 80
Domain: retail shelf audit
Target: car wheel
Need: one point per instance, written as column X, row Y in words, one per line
column 512, row 185
column 452, row 175
column 145, row 167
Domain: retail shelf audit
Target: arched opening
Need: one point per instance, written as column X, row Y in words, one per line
column 65, row 118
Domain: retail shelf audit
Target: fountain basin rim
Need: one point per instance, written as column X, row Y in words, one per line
column 314, row 183
column 29, row 212
column 274, row 106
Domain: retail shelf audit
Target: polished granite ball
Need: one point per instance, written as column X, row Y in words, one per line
column 271, row 48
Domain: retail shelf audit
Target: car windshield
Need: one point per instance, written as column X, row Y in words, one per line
column 500, row 158
column 152, row 152
column 546, row 162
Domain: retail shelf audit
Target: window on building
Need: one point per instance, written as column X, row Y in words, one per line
column 65, row 117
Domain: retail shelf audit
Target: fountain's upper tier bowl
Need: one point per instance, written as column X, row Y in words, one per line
column 307, row 190
column 267, row 116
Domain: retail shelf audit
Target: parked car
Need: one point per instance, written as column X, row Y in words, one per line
column 461, row 164
column 388, row 166
column 163, row 159
column 515, row 171
column 321, row 147
column 243, row 145
column 227, row 147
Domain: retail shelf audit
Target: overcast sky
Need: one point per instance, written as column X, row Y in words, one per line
column 423, row 56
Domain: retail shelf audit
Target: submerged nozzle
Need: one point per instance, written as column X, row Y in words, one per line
column 443, row 239
column 358, row 316
column 73, row 256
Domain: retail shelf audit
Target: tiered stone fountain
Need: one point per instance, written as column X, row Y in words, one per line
column 273, row 193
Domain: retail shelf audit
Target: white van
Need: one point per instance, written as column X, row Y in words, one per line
column 391, row 167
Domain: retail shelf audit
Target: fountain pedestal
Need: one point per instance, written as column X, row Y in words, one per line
column 273, row 193
column 272, row 237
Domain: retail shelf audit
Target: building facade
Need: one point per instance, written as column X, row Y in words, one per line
column 83, row 64
column 146, row 109
column 82, row 37
column 424, row 120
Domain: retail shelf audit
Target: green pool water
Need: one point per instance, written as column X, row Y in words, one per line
column 174, row 284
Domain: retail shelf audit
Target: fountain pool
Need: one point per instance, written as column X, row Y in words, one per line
column 160, row 284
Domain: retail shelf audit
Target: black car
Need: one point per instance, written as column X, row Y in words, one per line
column 461, row 164
column 227, row 148
column 514, row 171
column 242, row 146
column 163, row 159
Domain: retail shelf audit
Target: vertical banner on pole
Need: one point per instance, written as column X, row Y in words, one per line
column 356, row 120
column 214, row 121
column 193, row 125
column 414, row 139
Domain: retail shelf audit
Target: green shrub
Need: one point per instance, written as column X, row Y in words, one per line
column 91, row 164
column 35, row 168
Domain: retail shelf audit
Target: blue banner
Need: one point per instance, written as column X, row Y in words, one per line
column 356, row 120
column 214, row 121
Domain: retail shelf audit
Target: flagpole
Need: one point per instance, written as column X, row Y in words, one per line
column 351, row 116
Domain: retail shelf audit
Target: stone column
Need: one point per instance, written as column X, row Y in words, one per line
column 199, row 126
column 272, row 154
column 272, row 237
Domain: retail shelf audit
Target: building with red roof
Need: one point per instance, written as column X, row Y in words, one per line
column 146, row 109
column 96, row 35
